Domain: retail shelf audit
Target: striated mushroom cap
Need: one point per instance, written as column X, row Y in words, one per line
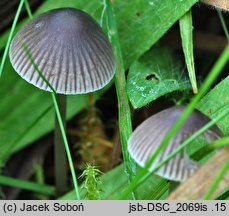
column 70, row 49
column 148, row 136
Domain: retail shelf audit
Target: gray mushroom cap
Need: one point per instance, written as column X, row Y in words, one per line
column 70, row 49
column 148, row 136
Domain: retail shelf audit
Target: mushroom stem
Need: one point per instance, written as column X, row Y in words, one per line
column 59, row 149
column 91, row 100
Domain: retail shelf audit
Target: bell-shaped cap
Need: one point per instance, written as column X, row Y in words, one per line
column 148, row 136
column 69, row 48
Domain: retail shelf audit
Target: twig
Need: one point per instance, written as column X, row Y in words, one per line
column 222, row 4
column 125, row 126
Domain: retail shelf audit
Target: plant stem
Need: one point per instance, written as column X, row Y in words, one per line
column 125, row 126
column 10, row 36
column 12, row 30
column 223, row 24
column 28, row 9
column 40, row 179
column 59, row 121
column 61, row 171
column 220, row 143
column 27, row 185
column 60, row 136
column 66, row 146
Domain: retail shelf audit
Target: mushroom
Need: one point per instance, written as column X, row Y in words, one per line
column 71, row 51
column 147, row 137
column 69, row 47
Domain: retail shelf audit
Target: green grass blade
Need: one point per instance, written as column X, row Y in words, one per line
column 125, row 126
column 217, row 68
column 36, row 67
column 187, row 45
column 224, row 195
column 10, row 36
column 220, row 143
column 5, row 154
column 66, row 146
column 223, row 24
column 40, row 179
column 215, row 184
column 13, row 29
column 28, row 9
column 59, row 120
column 27, row 185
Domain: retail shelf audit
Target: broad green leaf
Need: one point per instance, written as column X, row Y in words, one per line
column 21, row 105
column 140, row 24
column 187, row 44
column 155, row 74
column 114, row 182
column 215, row 101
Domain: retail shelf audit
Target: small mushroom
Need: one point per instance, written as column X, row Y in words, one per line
column 148, row 136
column 72, row 53
column 70, row 49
